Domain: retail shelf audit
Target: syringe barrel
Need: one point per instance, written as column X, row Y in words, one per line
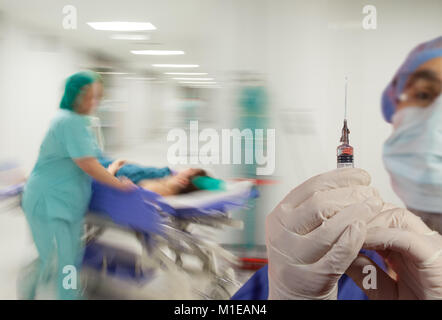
column 345, row 156
column 346, row 165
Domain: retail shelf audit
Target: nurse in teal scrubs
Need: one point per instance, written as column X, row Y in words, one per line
column 58, row 190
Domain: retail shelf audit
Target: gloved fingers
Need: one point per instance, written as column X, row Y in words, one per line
column 338, row 178
column 330, row 230
column 411, row 245
column 290, row 280
column 307, row 249
column 388, row 206
column 341, row 255
column 401, row 218
column 421, row 281
column 371, row 279
column 321, row 206
column 299, row 282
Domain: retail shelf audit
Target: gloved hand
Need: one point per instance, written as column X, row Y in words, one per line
column 410, row 248
column 316, row 232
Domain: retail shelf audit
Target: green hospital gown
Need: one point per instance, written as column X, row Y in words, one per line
column 55, row 199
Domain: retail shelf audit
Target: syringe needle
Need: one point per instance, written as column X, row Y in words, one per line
column 345, row 150
column 345, row 99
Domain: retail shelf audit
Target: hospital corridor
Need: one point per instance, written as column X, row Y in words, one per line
column 220, row 150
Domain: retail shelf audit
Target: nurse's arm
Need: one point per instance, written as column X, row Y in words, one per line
column 92, row 167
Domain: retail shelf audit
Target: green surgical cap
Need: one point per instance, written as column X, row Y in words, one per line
column 73, row 87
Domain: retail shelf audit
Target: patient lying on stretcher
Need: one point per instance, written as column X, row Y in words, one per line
column 174, row 184
column 164, row 182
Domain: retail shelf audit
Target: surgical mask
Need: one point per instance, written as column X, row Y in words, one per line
column 413, row 156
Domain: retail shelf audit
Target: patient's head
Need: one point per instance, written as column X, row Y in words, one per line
column 186, row 177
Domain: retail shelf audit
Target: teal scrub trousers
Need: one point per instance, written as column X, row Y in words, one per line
column 60, row 253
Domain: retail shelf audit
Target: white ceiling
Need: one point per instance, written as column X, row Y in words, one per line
column 187, row 25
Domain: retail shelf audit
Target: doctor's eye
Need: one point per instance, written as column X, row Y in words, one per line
column 422, row 95
column 423, row 88
column 425, row 96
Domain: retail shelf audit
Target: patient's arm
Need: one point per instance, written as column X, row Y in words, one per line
column 115, row 166
column 157, row 186
column 163, row 186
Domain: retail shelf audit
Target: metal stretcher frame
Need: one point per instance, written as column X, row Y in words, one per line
column 173, row 233
column 10, row 197
column 175, row 239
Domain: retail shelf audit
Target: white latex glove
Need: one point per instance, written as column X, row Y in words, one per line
column 411, row 249
column 316, row 232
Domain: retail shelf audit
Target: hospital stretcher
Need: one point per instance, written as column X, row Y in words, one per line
column 158, row 223
column 10, row 196
column 11, row 186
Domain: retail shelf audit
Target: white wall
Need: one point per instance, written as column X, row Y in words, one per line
column 33, row 70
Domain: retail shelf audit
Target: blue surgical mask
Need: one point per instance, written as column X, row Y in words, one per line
column 413, row 156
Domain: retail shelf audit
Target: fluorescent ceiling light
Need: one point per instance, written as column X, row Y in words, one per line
column 111, row 72
column 204, row 84
column 158, row 52
column 194, row 79
column 205, row 87
column 175, row 65
column 122, row 26
column 138, row 37
column 139, row 78
column 186, row 73
column 198, row 82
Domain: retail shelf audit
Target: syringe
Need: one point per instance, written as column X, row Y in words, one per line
column 345, row 150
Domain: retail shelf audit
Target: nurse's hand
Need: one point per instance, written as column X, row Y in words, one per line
column 411, row 249
column 126, row 185
column 316, row 232
column 115, row 166
column 92, row 167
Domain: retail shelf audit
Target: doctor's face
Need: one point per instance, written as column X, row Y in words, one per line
column 423, row 86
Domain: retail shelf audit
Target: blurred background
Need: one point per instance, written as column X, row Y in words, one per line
column 293, row 54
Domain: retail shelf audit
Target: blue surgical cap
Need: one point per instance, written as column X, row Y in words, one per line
column 421, row 54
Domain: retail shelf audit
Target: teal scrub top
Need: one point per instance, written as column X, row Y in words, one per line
column 56, row 180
